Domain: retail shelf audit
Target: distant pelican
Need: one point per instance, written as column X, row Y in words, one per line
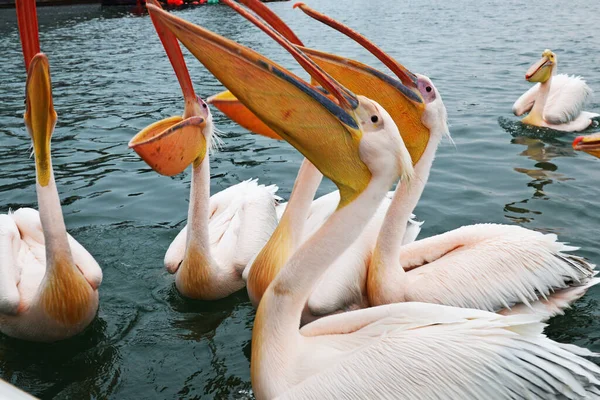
column 48, row 281
column 224, row 231
column 407, row 350
column 557, row 101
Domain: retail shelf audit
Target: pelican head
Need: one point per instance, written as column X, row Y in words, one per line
column 412, row 99
column 542, row 70
column 40, row 116
column 590, row 144
column 341, row 133
column 171, row 144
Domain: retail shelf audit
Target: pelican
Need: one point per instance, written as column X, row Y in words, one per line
column 48, row 281
column 223, row 232
column 302, row 216
column 556, row 101
column 590, row 144
column 405, row 350
column 491, row 267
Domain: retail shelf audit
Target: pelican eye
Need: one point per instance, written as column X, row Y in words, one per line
column 204, row 105
column 374, row 119
column 428, row 89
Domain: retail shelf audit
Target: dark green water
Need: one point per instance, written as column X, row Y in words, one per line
column 112, row 78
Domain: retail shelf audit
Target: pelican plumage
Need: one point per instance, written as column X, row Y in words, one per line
column 224, row 231
column 491, row 267
column 48, row 281
column 555, row 101
column 407, row 350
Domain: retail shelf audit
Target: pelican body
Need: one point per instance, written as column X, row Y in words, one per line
column 556, row 101
column 405, row 350
column 224, row 231
column 48, row 281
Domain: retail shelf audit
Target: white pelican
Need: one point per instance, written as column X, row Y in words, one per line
column 556, row 101
column 224, row 232
column 48, row 281
column 486, row 266
column 590, row 144
column 303, row 216
column 407, row 350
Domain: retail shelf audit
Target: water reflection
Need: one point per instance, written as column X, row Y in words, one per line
column 79, row 367
column 542, row 146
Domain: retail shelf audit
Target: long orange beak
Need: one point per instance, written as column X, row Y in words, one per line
column 28, row 29
column 401, row 99
column 170, row 145
column 326, row 132
column 40, row 116
column 589, row 144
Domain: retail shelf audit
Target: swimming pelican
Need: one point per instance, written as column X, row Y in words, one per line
column 407, row 350
column 486, row 266
column 223, row 233
column 302, row 216
column 48, row 281
column 556, row 101
column 590, row 144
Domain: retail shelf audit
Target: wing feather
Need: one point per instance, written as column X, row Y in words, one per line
column 9, row 272
column 568, row 96
column 426, row 351
column 491, row 267
column 525, row 102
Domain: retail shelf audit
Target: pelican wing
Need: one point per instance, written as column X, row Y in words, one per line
column 426, row 351
column 492, row 267
column 86, row 263
column 568, row 96
column 9, row 271
column 241, row 220
column 30, row 226
column 242, row 223
column 525, row 102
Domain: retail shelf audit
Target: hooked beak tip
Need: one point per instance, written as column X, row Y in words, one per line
column 577, row 140
column 299, row 5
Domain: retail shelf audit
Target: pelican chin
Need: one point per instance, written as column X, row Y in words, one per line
column 556, row 101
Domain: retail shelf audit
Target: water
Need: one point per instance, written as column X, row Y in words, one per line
column 111, row 78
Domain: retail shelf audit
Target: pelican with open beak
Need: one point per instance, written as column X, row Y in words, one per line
column 355, row 142
column 301, row 216
column 436, row 269
column 48, row 281
column 223, row 231
column 556, row 101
